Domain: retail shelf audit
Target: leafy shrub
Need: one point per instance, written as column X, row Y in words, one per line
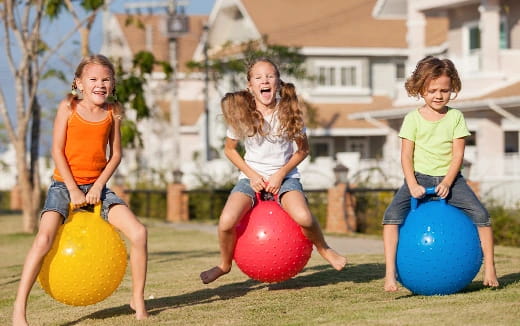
column 148, row 203
column 370, row 207
column 506, row 225
column 318, row 205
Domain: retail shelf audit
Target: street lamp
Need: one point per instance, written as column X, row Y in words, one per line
column 177, row 176
column 340, row 174
column 177, row 25
column 205, row 36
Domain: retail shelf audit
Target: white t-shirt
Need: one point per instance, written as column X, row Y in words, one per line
column 267, row 154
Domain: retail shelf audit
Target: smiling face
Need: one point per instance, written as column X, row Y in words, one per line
column 263, row 82
column 437, row 93
column 96, row 83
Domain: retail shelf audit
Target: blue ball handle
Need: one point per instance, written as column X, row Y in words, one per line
column 430, row 191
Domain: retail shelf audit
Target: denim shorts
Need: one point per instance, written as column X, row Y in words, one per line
column 288, row 184
column 58, row 199
column 460, row 196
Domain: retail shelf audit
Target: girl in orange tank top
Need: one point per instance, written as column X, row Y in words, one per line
column 86, row 150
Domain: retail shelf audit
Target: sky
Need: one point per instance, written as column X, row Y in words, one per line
column 51, row 91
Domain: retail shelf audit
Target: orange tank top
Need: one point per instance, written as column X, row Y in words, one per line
column 86, row 147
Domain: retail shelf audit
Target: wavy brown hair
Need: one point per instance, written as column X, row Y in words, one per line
column 98, row 59
column 430, row 68
column 289, row 113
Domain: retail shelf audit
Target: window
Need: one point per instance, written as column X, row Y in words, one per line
column 511, row 141
column 358, row 144
column 338, row 75
column 474, row 38
column 473, row 31
column 471, row 140
column 320, row 147
column 400, row 71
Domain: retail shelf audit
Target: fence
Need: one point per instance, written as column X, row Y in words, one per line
column 206, row 204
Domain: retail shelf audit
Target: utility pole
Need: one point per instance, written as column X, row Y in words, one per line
column 206, row 91
column 177, row 24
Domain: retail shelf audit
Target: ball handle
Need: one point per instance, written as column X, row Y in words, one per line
column 430, row 191
column 95, row 208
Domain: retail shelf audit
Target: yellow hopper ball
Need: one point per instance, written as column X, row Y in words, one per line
column 86, row 262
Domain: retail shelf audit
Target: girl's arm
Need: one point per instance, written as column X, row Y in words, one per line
column 230, row 149
column 407, row 148
column 59, row 135
column 94, row 194
column 443, row 188
column 275, row 180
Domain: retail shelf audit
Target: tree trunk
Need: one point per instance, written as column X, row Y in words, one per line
column 28, row 218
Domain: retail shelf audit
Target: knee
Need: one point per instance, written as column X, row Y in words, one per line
column 43, row 242
column 304, row 218
column 227, row 223
column 139, row 235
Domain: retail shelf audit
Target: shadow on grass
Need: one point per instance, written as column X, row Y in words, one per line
column 156, row 306
column 476, row 286
column 157, row 257
column 323, row 275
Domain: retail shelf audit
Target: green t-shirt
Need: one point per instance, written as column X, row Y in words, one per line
column 433, row 140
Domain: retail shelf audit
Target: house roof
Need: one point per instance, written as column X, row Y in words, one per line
column 136, row 36
column 506, row 97
column 338, row 23
column 190, row 111
column 336, row 115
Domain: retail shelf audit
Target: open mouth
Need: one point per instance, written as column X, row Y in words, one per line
column 265, row 92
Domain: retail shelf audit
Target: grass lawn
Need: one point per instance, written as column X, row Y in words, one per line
column 319, row 295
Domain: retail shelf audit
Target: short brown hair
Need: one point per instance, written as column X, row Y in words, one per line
column 431, row 68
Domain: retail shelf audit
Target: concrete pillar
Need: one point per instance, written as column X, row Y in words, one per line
column 490, row 34
column 341, row 216
column 177, row 203
column 490, row 149
column 415, row 36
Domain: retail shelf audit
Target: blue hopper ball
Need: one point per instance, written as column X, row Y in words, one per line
column 438, row 252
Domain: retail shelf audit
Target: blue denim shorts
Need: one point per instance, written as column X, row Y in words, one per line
column 460, row 196
column 288, row 184
column 58, row 199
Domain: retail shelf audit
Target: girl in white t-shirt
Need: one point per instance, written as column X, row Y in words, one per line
column 275, row 142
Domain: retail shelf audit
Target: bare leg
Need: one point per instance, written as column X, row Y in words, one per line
column 295, row 205
column 237, row 205
column 123, row 219
column 42, row 243
column 390, row 238
column 486, row 239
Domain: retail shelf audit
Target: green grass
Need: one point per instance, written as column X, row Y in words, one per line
column 319, row 295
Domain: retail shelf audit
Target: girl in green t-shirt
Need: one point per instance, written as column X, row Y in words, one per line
column 432, row 152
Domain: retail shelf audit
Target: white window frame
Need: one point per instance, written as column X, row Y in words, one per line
column 364, row 143
column 357, row 87
column 329, row 142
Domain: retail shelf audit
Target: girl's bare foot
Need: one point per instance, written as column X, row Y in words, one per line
column 336, row 260
column 212, row 274
column 19, row 317
column 490, row 277
column 390, row 284
column 140, row 312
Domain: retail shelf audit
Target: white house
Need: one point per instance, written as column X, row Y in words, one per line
column 357, row 60
column 483, row 40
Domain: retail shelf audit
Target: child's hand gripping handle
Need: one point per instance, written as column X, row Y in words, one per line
column 430, row 191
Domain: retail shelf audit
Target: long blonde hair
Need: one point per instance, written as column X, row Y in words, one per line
column 289, row 112
column 98, row 59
